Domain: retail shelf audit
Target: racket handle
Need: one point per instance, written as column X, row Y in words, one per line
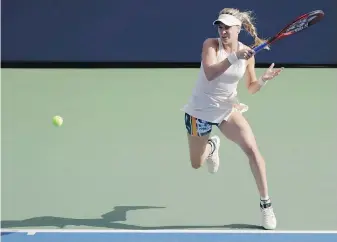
column 260, row 47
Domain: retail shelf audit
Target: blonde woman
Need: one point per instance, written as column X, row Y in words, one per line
column 225, row 61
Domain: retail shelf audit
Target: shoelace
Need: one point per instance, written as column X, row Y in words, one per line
column 268, row 213
column 210, row 156
column 212, row 153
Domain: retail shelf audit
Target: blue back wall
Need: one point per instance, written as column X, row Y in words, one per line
column 154, row 30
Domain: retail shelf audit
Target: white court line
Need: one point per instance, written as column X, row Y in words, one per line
column 163, row 231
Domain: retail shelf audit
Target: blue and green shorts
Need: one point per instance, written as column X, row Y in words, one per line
column 198, row 127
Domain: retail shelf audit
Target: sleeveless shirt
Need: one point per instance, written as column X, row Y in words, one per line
column 213, row 101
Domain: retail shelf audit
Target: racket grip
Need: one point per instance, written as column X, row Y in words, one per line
column 260, row 47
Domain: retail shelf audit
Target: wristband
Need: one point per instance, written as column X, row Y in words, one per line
column 232, row 58
column 261, row 82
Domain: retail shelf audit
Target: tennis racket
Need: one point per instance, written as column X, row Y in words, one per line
column 302, row 22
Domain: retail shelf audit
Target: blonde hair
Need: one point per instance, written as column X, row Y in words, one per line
column 247, row 20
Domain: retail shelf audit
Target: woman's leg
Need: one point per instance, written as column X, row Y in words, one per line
column 202, row 147
column 238, row 130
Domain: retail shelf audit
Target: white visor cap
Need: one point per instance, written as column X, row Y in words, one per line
column 228, row 20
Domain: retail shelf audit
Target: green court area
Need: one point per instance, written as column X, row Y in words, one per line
column 120, row 159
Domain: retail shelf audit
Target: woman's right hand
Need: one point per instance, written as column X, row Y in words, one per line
column 245, row 54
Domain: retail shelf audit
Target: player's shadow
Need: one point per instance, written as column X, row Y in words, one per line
column 111, row 220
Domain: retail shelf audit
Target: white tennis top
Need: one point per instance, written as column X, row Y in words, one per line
column 213, row 100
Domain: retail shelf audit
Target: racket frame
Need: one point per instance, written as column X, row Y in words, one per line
column 319, row 14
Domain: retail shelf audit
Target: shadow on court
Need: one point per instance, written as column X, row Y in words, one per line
column 110, row 220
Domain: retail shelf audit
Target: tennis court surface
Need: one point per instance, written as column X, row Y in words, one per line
column 118, row 168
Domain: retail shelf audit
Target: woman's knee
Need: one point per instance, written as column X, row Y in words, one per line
column 198, row 150
column 198, row 154
column 196, row 161
column 252, row 151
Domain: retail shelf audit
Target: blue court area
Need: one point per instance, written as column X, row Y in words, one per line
column 157, row 236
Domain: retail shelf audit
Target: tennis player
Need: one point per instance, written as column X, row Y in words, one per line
column 214, row 101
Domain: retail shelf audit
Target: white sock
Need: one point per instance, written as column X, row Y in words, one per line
column 265, row 198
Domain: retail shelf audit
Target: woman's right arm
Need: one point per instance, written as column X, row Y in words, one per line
column 212, row 69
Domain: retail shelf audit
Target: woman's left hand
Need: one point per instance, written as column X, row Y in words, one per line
column 270, row 73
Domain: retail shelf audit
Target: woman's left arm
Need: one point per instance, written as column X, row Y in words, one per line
column 253, row 83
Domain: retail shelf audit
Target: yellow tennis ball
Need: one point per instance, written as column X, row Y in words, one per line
column 57, row 120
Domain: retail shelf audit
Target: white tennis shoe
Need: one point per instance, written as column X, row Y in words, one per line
column 268, row 217
column 213, row 160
